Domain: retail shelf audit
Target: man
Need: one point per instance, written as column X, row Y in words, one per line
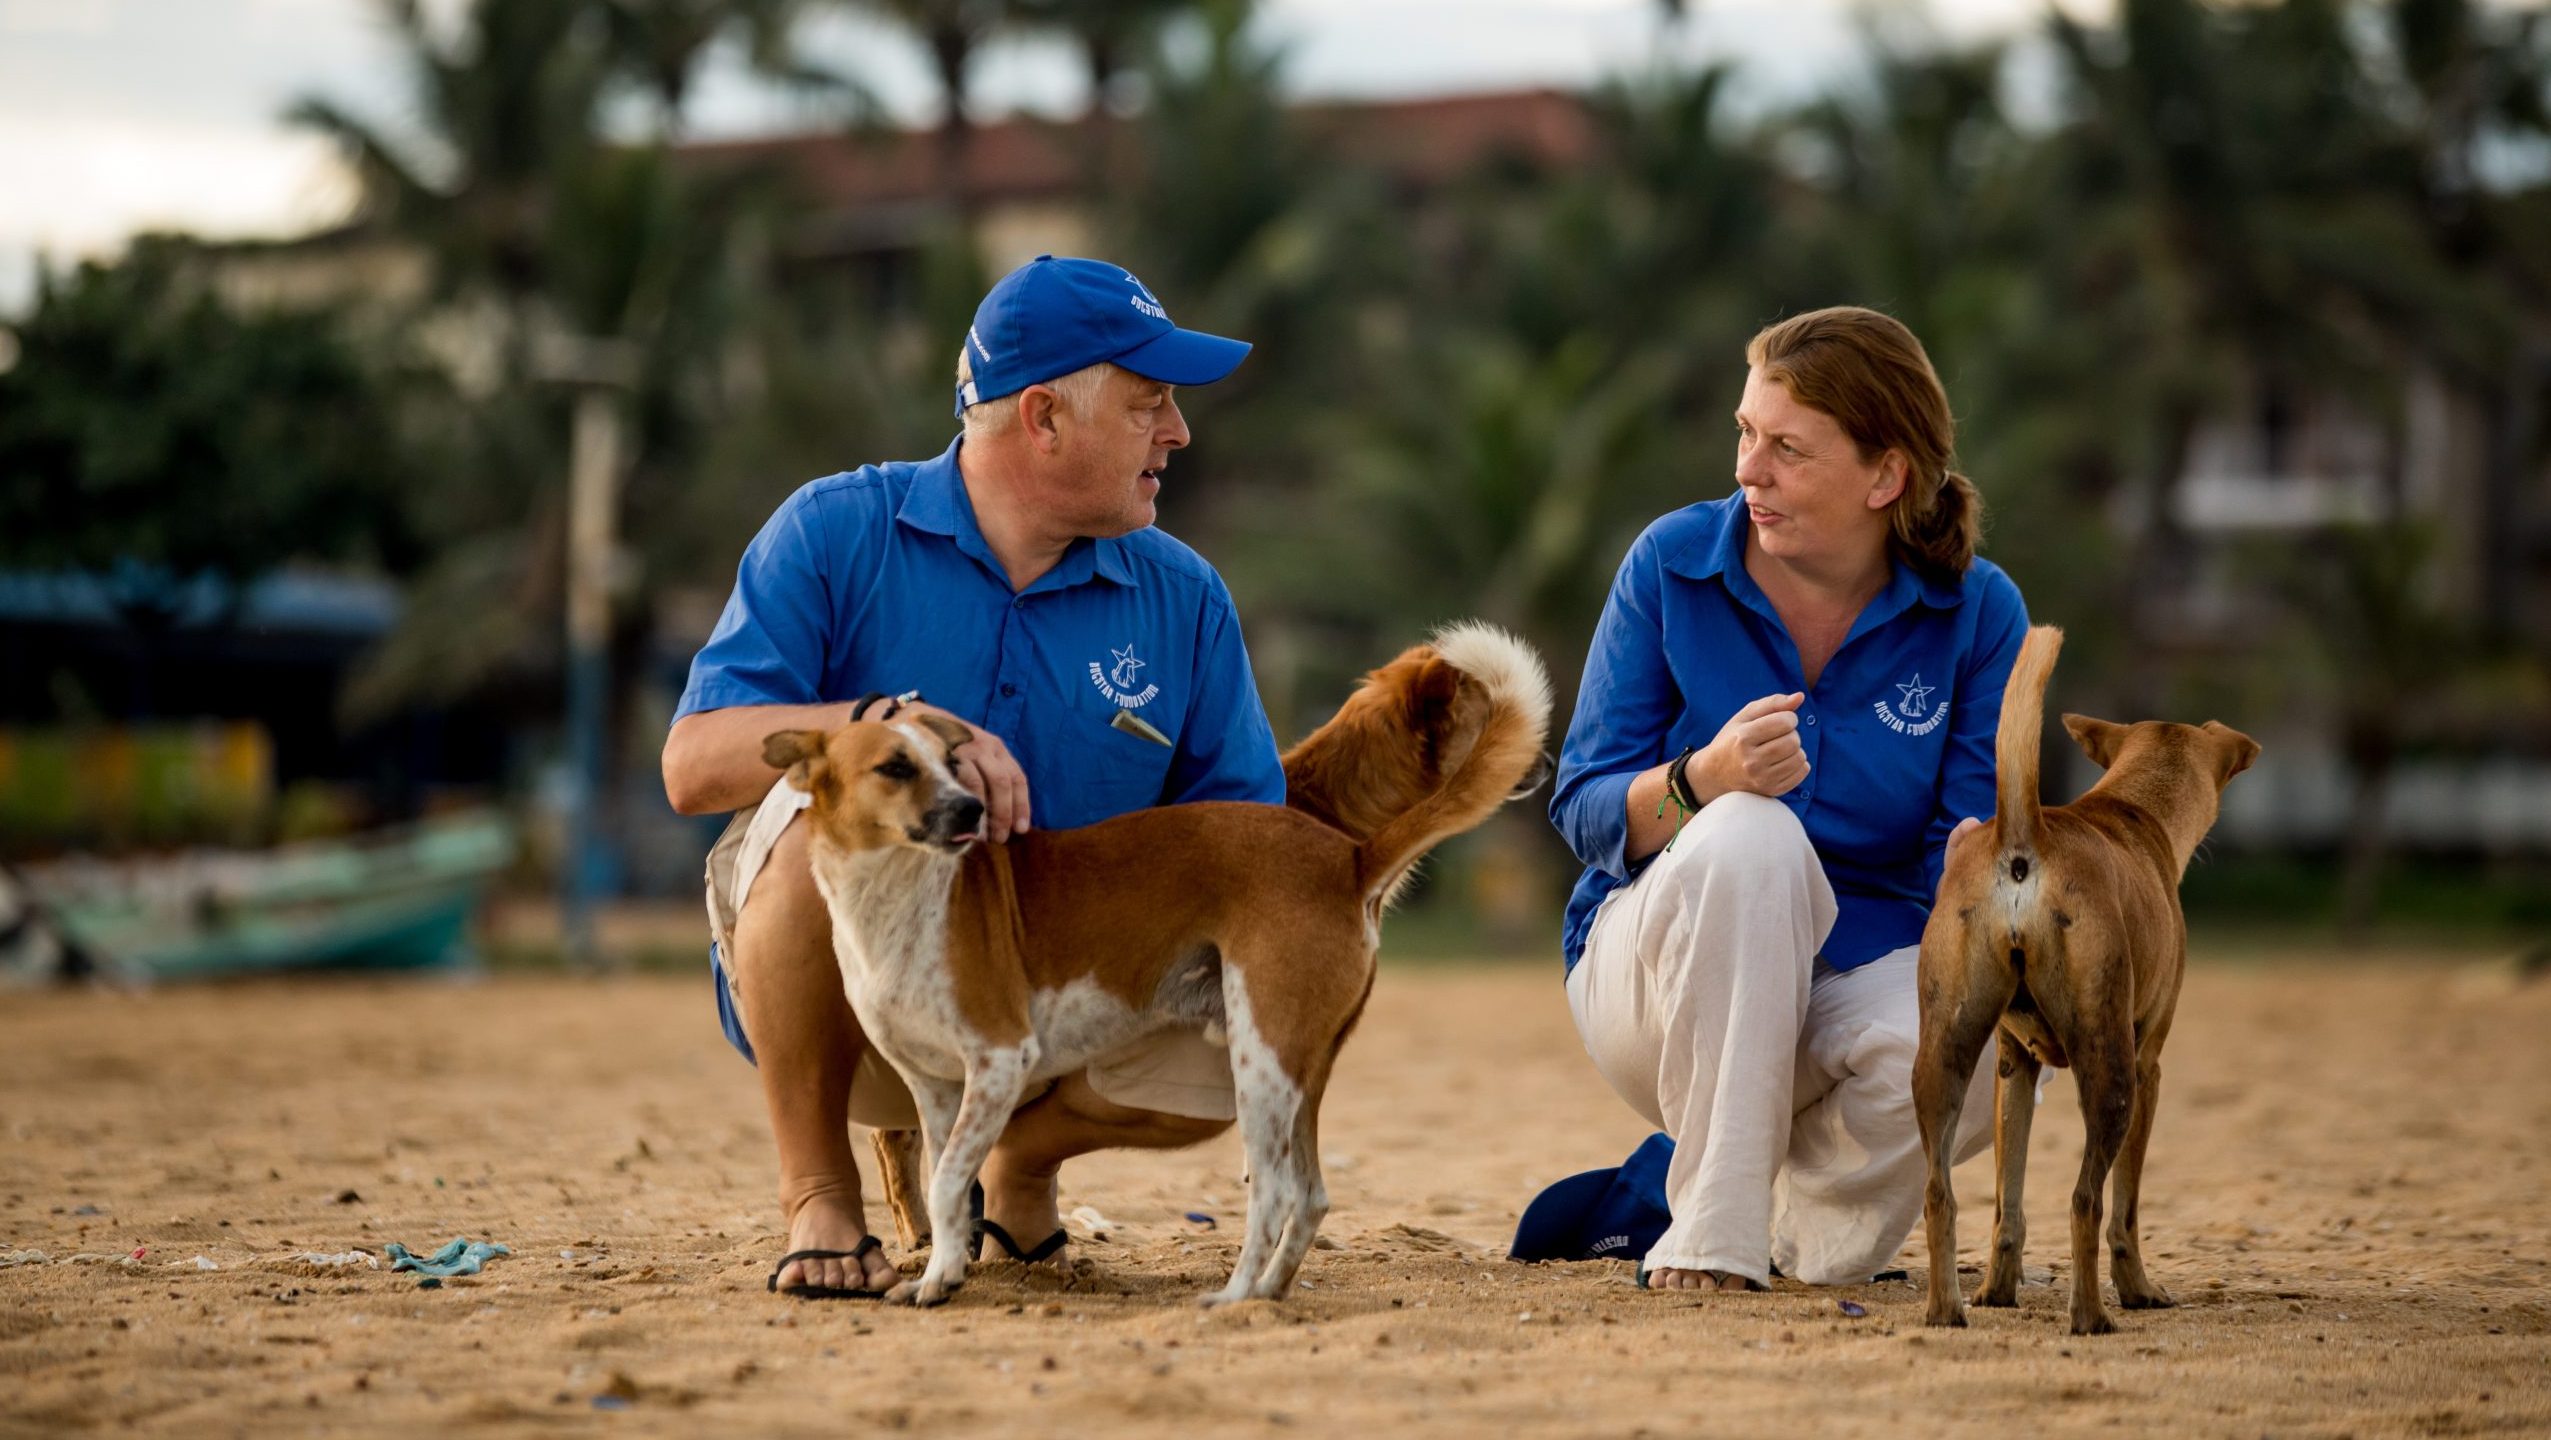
column 1014, row 585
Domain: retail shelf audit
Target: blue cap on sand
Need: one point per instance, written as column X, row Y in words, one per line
column 1051, row 317
column 1615, row 1214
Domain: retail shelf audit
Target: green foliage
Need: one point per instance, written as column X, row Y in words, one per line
column 145, row 423
column 1467, row 397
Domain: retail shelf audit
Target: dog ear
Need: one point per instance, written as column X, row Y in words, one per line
column 950, row 733
column 2099, row 739
column 798, row 752
column 2239, row 753
column 783, row 749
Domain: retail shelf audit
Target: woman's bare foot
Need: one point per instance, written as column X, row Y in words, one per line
column 829, row 1221
column 1666, row 1279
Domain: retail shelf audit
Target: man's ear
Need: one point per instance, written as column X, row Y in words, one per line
column 799, row 752
column 1039, row 407
column 2099, row 739
column 950, row 733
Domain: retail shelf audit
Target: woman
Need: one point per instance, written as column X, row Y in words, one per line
column 1787, row 715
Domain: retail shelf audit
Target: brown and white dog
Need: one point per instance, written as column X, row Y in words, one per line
column 2062, row 931
column 978, row 970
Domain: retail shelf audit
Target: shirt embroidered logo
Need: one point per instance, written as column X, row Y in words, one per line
column 1906, row 716
column 1116, row 681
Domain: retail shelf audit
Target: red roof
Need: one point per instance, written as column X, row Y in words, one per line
column 1417, row 142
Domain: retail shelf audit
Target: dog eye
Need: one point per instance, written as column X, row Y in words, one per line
column 899, row 768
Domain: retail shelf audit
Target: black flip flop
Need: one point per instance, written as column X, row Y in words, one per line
column 825, row 1292
column 1046, row 1249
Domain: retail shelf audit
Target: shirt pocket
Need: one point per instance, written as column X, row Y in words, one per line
column 1126, row 772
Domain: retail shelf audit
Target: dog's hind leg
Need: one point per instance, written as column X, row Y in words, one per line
column 1962, row 1001
column 2135, row 1289
column 2103, row 1052
column 1268, row 1103
column 2014, row 1106
column 1311, row 1193
column 1269, row 1099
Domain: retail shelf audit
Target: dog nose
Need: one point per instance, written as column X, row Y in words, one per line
column 965, row 815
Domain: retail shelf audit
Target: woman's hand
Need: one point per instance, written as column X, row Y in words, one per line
column 989, row 772
column 1757, row 751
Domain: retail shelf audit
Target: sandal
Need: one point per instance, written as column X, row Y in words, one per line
column 1046, row 1249
column 864, row 1248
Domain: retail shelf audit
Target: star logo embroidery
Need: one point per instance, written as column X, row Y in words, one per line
column 1123, row 671
column 1915, row 695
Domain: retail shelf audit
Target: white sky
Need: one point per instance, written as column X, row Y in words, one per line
column 120, row 115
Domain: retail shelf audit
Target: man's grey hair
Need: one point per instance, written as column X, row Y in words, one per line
column 1080, row 391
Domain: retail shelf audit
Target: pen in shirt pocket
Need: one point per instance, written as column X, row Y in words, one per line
column 1136, row 726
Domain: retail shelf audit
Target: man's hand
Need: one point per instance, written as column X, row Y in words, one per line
column 1757, row 750
column 1965, row 827
column 988, row 771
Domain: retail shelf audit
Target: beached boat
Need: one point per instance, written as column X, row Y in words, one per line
column 390, row 899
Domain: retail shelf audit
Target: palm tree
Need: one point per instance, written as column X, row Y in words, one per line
column 1110, row 34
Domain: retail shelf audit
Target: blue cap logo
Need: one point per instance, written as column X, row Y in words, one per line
column 1051, row 317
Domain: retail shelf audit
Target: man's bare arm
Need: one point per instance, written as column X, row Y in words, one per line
column 713, row 759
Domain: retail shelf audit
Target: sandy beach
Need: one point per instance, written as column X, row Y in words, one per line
column 2347, row 1195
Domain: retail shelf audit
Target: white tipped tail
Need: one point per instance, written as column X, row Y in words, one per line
column 1509, row 746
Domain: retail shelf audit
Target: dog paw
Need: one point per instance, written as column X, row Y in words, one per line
column 2156, row 1299
column 1996, row 1299
column 921, row 1293
column 1953, row 1318
column 2095, row 1323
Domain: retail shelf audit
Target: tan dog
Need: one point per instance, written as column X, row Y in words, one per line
column 1398, row 738
column 980, row 970
column 2062, row 931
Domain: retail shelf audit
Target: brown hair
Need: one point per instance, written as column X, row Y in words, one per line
column 1868, row 372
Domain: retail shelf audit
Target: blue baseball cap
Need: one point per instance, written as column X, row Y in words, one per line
column 1613, row 1214
column 1051, row 317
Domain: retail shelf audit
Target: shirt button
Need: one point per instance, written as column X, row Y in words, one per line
column 1008, row 689
column 1811, row 719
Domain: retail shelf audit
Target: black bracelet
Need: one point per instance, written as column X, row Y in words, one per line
column 859, row 707
column 1678, row 784
column 895, row 704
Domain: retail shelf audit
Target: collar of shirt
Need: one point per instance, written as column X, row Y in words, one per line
column 938, row 504
column 1721, row 553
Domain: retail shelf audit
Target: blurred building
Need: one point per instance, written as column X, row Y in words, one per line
column 140, row 709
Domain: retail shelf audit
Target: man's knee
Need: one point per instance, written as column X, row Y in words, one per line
column 1141, row 1128
column 1175, row 1132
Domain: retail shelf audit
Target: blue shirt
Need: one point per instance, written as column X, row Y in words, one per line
column 879, row 579
column 1909, row 703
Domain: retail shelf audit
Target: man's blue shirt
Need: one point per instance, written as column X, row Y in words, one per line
column 1898, row 729
column 879, row 579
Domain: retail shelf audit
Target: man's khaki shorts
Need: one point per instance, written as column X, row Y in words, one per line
column 1175, row 1072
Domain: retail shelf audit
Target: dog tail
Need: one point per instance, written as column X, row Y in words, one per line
column 1508, row 675
column 2015, row 756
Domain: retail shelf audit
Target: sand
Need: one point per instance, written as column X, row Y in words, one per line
column 2346, row 1194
